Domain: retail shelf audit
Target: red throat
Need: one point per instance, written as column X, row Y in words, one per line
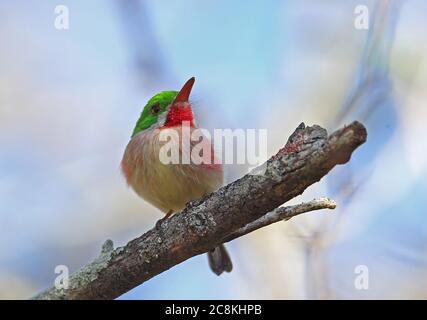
column 179, row 114
column 180, row 110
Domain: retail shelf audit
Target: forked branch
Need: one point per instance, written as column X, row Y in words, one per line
column 242, row 206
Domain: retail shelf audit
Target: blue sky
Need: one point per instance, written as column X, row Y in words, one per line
column 69, row 100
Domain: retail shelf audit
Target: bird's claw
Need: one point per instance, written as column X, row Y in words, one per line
column 159, row 223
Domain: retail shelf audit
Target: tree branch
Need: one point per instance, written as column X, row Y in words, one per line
column 308, row 155
column 282, row 214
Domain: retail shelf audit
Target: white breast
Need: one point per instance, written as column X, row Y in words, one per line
column 170, row 186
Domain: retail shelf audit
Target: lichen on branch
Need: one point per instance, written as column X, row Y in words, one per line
column 240, row 207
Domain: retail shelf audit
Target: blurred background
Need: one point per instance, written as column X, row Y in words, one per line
column 69, row 100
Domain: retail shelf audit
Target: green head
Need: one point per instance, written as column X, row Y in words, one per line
column 171, row 104
column 155, row 107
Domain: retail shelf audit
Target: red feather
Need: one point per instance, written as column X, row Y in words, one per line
column 178, row 114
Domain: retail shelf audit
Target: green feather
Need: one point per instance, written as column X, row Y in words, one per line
column 148, row 115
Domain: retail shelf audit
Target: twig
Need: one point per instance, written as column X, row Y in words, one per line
column 282, row 214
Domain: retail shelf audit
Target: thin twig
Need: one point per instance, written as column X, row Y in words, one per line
column 282, row 214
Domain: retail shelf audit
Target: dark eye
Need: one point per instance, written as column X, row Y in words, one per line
column 155, row 108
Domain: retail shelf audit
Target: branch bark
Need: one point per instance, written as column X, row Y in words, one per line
column 308, row 155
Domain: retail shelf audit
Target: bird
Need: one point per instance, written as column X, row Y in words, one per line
column 170, row 186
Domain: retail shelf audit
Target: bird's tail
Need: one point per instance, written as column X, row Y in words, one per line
column 219, row 260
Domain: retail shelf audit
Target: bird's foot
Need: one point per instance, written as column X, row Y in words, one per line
column 160, row 221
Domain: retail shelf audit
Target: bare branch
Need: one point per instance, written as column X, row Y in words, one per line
column 308, row 156
column 282, row 214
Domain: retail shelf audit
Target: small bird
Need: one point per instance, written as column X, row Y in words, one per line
column 170, row 186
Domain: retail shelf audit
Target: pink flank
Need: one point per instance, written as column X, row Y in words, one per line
column 132, row 159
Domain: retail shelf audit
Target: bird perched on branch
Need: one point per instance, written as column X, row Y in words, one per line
column 169, row 186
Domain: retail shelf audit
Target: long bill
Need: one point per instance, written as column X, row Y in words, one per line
column 184, row 94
